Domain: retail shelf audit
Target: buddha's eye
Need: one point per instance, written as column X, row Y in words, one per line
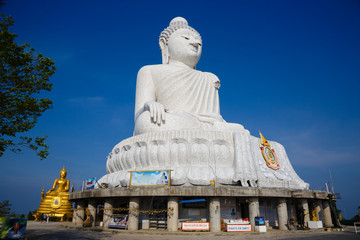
column 187, row 38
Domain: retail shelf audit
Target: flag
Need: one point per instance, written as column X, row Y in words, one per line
column 90, row 183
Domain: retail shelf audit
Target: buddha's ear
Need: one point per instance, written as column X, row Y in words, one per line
column 162, row 44
column 164, row 51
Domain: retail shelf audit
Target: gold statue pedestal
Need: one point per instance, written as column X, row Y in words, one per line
column 56, row 206
column 56, row 202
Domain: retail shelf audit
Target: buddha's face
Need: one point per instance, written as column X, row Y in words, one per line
column 185, row 46
column 62, row 174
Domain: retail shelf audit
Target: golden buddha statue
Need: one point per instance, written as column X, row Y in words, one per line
column 313, row 216
column 56, row 202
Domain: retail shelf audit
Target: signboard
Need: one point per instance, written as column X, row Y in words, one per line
column 12, row 228
column 315, row 224
column 90, row 183
column 238, row 227
column 155, row 178
column 259, row 221
column 192, row 226
column 118, row 221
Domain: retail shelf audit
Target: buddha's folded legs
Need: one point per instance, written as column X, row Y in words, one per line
column 179, row 120
column 174, row 120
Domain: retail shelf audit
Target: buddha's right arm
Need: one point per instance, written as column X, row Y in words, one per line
column 145, row 99
column 53, row 187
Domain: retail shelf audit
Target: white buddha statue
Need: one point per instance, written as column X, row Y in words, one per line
column 178, row 126
column 174, row 95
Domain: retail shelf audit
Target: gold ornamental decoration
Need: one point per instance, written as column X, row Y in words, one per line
column 56, row 202
column 268, row 153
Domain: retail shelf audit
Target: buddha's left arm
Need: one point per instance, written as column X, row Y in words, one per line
column 67, row 187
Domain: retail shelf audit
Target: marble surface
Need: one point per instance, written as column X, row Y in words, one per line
column 198, row 157
column 178, row 126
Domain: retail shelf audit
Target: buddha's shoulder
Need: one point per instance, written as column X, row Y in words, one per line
column 156, row 67
column 211, row 75
column 158, row 71
column 167, row 67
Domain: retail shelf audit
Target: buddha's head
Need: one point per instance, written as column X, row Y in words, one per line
column 63, row 173
column 180, row 42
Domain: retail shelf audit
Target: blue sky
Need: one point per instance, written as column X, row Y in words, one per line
column 287, row 68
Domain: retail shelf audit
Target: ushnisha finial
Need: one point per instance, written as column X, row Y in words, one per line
column 179, row 21
column 63, row 171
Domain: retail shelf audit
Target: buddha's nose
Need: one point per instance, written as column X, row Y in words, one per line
column 195, row 44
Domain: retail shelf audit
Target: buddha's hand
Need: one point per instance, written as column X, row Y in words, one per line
column 217, row 84
column 210, row 118
column 157, row 111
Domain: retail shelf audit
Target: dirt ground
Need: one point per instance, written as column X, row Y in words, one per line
column 62, row 231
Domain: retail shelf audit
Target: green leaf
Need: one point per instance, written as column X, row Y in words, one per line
column 23, row 77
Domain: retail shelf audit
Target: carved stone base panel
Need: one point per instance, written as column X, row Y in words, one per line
column 171, row 149
column 244, row 171
column 224, row 175
column 179, row 177
column 199, row 158
column 201, row 176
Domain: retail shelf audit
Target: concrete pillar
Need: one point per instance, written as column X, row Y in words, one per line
column 282, row 213
column 92, row 209
column 74, row 213
column 173, row 214
column 145, row 204
column 80, row 213
column 214, row 214
column 253, row 210
column 327, row 214
column 319, row 210
column 133, row 223
column 305, row 206
column 108, row 205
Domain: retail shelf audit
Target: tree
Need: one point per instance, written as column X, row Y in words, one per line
column 5, row 208
column 30, row 215
column 23, row 76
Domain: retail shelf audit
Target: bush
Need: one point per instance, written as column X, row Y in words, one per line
column 347, row 222
column 30, row 216
column 68, row 217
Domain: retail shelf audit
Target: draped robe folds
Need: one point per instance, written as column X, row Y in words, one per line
column 188, row 90
column 192, row 140
column 190, row 99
